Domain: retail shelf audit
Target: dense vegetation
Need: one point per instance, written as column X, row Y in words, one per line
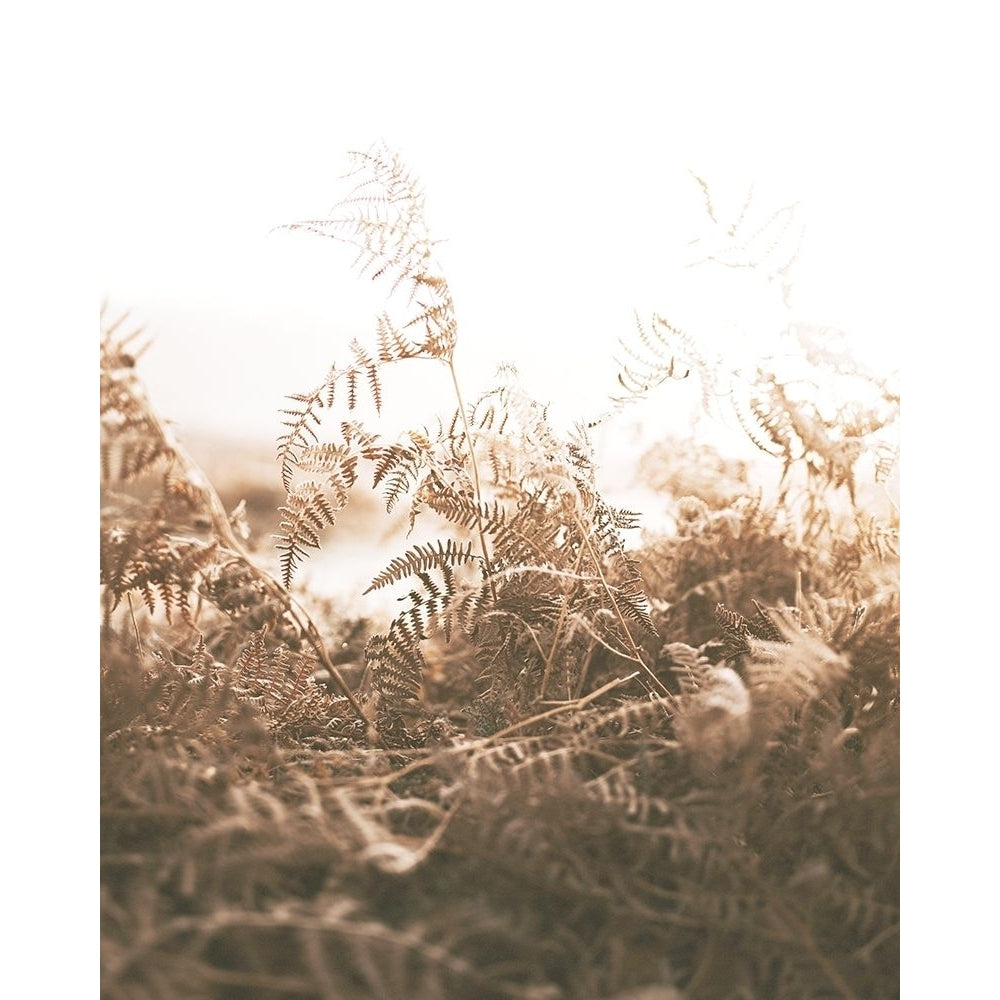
column 581, row 761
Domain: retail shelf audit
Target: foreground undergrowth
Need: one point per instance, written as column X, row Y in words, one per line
column 572, row 766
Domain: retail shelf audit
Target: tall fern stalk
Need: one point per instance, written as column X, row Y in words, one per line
column 383, row 217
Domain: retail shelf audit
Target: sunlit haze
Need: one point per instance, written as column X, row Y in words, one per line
column 556, row 148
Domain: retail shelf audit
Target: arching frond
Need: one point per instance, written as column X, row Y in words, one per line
column 422, row 558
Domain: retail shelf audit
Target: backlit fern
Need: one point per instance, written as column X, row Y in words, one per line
column 171, row 541
column 536, row 573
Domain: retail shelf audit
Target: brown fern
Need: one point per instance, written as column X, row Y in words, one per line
column 178, row 544
column 551, row 567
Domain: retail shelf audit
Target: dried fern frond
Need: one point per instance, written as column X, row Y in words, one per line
column 303, row 420
column 770, row 244
column 665, row 353
column 383, row 218
column 148, row 559
column 133, row 440
column 307, row 511
column 397, row 664
column 178, row 545
column 421, row 558
column 810, row 404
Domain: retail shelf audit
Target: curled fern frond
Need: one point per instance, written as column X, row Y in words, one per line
column 665, row 353
column 644, row 372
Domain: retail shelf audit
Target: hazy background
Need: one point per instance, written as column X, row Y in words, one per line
column 555, row 144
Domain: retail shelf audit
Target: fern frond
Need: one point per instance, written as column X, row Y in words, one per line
column 397, row 468
column 440, row 328
column 247, row 599
column 307, row 511
column 364, row 365
column 133, row 440
column 302, row 423
column 647, row 717
column 147, row 559
column 735, row 629
column 392, row 345
column 654, row 367
column 755, row 426
column 526, row 539
column 868, row 542
column 461, row 509
column 786, row 679
column 706, row 194
column 383, row 218
column 422, row 558
column 397, row 666
column 338, row 463
column 634, row 605
column 666, row 352
column 250, row 662
column 773, row 245
column 354, row 432
column 619, row 793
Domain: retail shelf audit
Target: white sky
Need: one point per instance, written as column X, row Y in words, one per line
column 554, row 143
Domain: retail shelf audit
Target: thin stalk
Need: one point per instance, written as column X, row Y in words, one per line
column 135, row 627
column 618, row 613
column 550, row 659
column 487, row 562
column 569, row 706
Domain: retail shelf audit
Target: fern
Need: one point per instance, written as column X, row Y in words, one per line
column 771, row 245
column 422, row 558
column 809, row 404
column 162, row 568
column 536, row 517
column 151, row 546
column 307, row 512
column 383, row 218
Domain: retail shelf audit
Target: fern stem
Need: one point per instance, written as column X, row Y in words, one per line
column 614, row 604
column 135, row 627
column 550, row 659
column 569, row 706
column 487, row 563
